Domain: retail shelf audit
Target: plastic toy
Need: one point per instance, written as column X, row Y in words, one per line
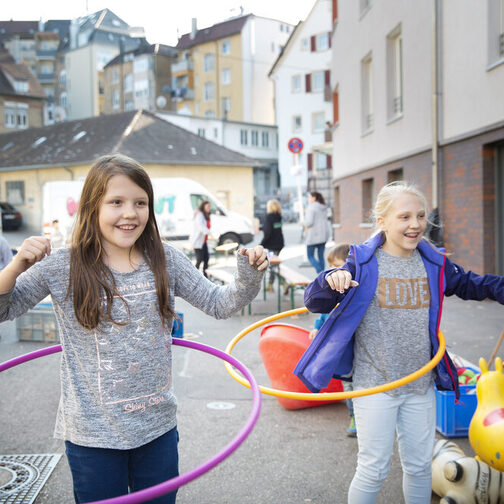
column 459, row 479
column 467, row 376
column 486, row 431
column 169, row 486
column 327, row 396
column 281, row 346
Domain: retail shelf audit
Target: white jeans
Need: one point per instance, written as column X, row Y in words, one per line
column 377, row 418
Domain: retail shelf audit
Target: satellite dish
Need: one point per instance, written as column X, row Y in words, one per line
column 161, row 102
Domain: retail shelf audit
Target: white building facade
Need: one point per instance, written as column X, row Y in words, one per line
column 425, row 105
column 303, row 101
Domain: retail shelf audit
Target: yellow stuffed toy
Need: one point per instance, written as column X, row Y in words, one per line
column 486, row 431
column 459, row 479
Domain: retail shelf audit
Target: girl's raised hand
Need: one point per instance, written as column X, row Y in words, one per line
column 341, row 280
column 33, row 250
column 257, row 256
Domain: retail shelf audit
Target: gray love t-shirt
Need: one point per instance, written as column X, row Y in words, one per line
column 116, row 381
column 392, row 339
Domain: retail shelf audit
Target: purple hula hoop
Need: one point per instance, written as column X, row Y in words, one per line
column 183, row 479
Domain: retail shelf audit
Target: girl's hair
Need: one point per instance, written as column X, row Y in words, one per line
column 273, row 206
column 389, row 192
column 318, row 197
column 338, row 253
column 91, row 280
column 203, row 210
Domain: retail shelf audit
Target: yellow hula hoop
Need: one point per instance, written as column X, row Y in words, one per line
column 326, row 396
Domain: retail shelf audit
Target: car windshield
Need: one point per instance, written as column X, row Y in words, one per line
column 6, row 206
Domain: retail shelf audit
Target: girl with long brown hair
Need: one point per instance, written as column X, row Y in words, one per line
column 113, row 294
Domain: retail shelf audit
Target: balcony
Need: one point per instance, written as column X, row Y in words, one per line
column 47, row 54
column 183, row 94
column 45, row 78
column 182, row 66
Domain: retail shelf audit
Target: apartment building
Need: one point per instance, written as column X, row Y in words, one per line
column 21, row 96
column 257, row 141
column 303, row 101
column 222, row 70
column 423, row 105
column 93, row 41
column 140, row 79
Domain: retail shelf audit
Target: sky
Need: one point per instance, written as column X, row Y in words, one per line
column 163, row 21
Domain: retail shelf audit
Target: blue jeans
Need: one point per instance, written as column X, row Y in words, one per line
column 101, row 473
column 310, row 252
column 378, row 418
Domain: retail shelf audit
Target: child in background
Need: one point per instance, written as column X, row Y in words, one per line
column 114, row 291
column 389, row 295
column 336, row 258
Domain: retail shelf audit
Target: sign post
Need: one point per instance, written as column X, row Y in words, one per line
column 295, row 145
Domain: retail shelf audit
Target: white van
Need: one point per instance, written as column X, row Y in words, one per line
column 175, row 201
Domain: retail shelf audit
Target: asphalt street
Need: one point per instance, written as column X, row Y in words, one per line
column 296, row 456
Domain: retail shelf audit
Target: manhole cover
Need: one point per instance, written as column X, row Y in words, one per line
column 23, row 476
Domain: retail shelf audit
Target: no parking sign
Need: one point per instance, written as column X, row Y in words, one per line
column 295, row 145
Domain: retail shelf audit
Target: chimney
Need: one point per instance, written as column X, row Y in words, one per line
column 194, row 28
column 74, row 29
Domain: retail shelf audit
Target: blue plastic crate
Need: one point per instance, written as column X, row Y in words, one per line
column 178, row 326
column 453, row 420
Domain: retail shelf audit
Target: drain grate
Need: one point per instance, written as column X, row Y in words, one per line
column 23, row 476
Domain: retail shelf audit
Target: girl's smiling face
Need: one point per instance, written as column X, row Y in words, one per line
column 403, row 225
column 123, row 215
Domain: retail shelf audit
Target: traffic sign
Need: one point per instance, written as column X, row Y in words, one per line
column 295, row 145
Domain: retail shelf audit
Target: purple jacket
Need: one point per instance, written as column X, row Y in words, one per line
column 331, row 352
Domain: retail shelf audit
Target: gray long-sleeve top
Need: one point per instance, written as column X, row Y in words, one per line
column 116, row 381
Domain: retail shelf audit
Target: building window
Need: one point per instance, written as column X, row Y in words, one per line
column 243, row 137
column 367, row 200
column 265, row 139
column 337, row 206
column 394, row 74
column 62, row 77
column 254, row 138
column 63, row 100
column 115, row 99
column 225, row 47
column 140, row 64
column 208, row 91
column 304, row 44
column 216, row 133
column 318, row 122
column 16, row 115
column 495, row 30
column 208, row 62
column 21, row 86
column 129, row 105
column 226, row 76
column 141, row 88
column 201, row 132
column 15, row 191
column 210, row 114
column 321, row 161
column 394, row 175
column 226, row 106
column 128, row 83
column 367, row 94
column 296, row 84
column 322, row 42
column 297, row 124
column 115, row 75
column 318, row 81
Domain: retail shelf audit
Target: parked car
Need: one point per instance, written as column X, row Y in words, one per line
column 11, row 217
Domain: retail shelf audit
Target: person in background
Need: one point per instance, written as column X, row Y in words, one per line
column 336, row 258
column 317, row 230
column 57, row 238
column 199, row 236
column 273, row 238
column 5, row 253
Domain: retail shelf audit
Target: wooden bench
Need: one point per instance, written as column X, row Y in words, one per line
column 226, row 248
column 292, row 281
column 224, row 278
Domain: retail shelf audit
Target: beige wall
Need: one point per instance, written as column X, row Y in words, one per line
column 234, row 181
